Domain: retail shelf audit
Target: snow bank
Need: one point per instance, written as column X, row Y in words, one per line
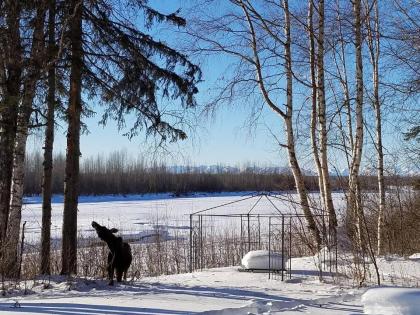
column 262, row 259
column 391, row 301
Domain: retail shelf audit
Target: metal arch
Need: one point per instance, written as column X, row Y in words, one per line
column 226, row 204
column 295, row 202
column 255, row 204
column 272, row 203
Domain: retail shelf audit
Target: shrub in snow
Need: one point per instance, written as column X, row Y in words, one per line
column 392, row 301
column 331, row 256
column 262, row 259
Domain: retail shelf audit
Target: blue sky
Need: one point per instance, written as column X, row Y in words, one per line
column 224, row 138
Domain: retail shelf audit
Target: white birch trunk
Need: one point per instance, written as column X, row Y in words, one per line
column 354, row 184
column 314, row 119
column 373, row 39
column 15, row 212
column 297, row 174
column 18, row 174
column 329, row 206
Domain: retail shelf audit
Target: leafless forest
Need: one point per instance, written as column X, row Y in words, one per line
column 117, row 173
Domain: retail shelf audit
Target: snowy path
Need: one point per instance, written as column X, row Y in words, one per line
column 214, row 291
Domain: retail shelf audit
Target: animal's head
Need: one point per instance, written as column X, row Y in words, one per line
column 104, row 234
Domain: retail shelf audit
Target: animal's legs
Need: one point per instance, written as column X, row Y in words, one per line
column 111, row 268
column 111, row 275
column 119, row 275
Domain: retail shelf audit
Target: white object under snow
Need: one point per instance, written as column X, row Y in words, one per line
column 261, row 259
column 415, row 256
column 391, row 301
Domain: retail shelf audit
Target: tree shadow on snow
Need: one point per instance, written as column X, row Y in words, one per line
column 315, row 273
column 76, row 308
column 341, row 307
column 221, row 292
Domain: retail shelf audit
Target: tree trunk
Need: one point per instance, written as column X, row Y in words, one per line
column 380, row 174
column 354, row 183
column 342, row 71
column 373, row 40
column 69, row 237
column 25, row 110
column 297, row 174
column 15, row 213
column 48, row 148
column 314, row 119
column 329, row 206
column 8, row 110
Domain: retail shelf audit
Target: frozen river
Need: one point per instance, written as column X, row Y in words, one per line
column 135, row 214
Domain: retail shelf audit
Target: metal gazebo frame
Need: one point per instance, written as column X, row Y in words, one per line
column 281, row 228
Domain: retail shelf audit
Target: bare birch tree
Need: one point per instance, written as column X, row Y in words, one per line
column 11, row 57
column 297, row 173
column 354, row 182
column 260, row 42
column 25, row 110
column 314, row 106
column 322, row 107
column 319, row 107
column 373, row 43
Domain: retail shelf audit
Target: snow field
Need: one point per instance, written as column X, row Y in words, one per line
column 219, row 291
column 211, row 291
column 392, row 301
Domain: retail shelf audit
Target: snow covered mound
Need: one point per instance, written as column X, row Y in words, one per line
column 392, row 301
column 261, row 259
column 415, row 256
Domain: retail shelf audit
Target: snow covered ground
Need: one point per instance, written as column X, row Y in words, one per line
column 392, row 301
column 219, row 291
column 214, row 291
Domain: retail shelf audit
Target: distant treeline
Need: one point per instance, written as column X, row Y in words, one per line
column 117, row 173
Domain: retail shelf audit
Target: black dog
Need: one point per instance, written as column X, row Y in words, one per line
column 119, row 257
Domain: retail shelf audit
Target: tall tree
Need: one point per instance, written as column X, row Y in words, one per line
column 373, row 43
column 30, row 80
column 11, row 58
column 259, row 40
column 314, row 106
column 322, row 118
column 354, row 181
column 48, row 144
column 319, row 107
column 71, row 181
column 127, row 71
column 297, row 173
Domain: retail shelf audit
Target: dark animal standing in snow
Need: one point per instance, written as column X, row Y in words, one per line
column 119, row 257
